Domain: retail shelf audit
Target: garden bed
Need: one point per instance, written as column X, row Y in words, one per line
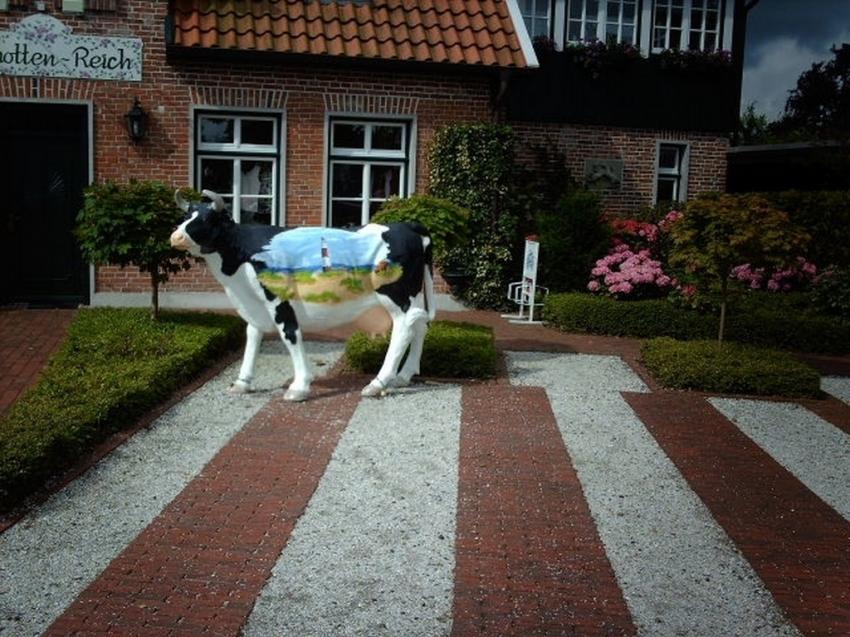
column 114, row 365
column 452, row 350
column 729, row 368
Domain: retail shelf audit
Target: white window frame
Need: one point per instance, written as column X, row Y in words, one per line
column 531, row 19
column 687, row 8
column 237, row 152
column 679, row 174
column 602, row 22
column 368, row 157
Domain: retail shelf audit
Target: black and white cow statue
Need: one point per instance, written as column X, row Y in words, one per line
column 316, row 278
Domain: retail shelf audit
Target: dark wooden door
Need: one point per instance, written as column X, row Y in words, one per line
column 44, row 168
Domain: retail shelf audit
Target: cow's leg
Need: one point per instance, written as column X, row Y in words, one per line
column 400, row 339
column 253, row 338
column 290, row 332
column 419, row 324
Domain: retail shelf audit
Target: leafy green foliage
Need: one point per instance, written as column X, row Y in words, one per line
column 826, row 217
column 831, row 294
column 572, row 238
column 114, row 365
column 718, row 232
column 759, row 323
column 472, row 165
column 452, row 350
column 447, row 222
column 729, row 368
column 130, row 224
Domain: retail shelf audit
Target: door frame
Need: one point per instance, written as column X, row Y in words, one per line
column 89, row 105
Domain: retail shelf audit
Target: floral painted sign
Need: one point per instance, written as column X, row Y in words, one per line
column 40, row 45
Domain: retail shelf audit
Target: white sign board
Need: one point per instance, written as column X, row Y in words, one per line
column 42, row 46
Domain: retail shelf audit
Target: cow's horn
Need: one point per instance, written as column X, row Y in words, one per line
column 180, row 201
column 217, row 202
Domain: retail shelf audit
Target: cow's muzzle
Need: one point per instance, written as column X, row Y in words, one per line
column 180, row 241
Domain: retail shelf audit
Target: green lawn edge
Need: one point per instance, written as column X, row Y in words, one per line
column 114, row 365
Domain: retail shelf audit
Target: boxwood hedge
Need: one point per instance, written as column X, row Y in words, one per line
column 794, row 330
column 452, row 350
column 114, row 365
column 730, row 368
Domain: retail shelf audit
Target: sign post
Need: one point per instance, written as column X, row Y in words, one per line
column 524, row 292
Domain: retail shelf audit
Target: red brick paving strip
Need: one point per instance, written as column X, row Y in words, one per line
column 199, row 566
column 832, row 410
column 798, row 545
column 27, row 340
column 529, row 558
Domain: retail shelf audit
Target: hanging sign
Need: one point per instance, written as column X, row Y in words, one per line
column 42, row 46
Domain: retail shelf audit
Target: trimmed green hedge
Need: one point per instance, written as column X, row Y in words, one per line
column 115, row 364
column 452, row 350
column 580, row 312
column 730, row 368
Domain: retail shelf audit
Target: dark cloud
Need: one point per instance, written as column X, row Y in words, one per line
column 784, row 38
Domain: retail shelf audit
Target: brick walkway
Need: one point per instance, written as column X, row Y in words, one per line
column 534, row 551
column 27, row 339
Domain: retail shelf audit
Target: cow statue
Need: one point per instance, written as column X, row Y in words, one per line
column 283, row 280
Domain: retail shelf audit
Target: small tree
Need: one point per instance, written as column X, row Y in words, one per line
column 129, row 224
column 718, row 232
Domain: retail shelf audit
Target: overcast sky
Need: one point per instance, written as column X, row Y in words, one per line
column 784, row 38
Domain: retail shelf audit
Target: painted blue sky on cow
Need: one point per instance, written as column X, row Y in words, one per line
column 315, row 249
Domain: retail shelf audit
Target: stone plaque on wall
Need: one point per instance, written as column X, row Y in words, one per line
column 604, row 174
column 42, row 46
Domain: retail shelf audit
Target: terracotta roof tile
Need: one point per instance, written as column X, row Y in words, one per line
column 474, row 32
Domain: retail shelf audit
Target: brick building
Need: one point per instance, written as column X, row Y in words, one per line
column 314, row 112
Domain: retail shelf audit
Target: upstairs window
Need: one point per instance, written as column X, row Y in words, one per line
column 535, row 14
column 686, row 24
column 611, row 21
column 671, row 182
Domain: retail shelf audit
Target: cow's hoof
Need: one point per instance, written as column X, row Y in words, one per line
column 296, row 395
column 240, row 387
column 374, row 389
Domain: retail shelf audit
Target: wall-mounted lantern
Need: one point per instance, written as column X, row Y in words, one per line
column 137, row 122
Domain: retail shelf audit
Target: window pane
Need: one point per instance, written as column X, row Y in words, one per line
column 256, row 177
column 346, row 213
column 628, row 35
column 256, row 210
column 658, row 40
column 666, row 190
column 629, row 13
column 216, row 130
column 675, row 38
column 386, row 181
column 347, row 180
column 676, row 18
column 711, row 21
column 710, row 41
column 592, row 8
column 217, row 175
column 660, row 17
column 696, row 19
column 387, row 137
column 613, row 14
column 258, row 131
column 374, row 206
column 694, row 41
column 668, row 157
column 576, row 7
column 349, row 136
column 590, row 32
column 575, row 32
column 611, row 33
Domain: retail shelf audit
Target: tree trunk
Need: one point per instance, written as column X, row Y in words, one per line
column 724, row 288
column 155, row 293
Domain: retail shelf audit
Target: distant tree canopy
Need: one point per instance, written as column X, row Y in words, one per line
column 819, row 107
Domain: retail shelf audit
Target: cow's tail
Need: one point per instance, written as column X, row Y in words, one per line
column 428, row 274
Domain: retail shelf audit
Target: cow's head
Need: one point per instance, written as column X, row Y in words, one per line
column 204, row 224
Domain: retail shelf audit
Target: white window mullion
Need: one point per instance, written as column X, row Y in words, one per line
column 367, row 192
column 236, row 207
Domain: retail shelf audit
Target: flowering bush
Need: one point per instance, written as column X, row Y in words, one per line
column 624, row 273
column 598, row 56
column 693, row 59
column 796, row 275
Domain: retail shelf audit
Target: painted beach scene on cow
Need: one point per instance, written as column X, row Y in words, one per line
column 280, row 280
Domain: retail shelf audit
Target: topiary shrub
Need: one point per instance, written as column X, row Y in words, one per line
column 452, row 350
column 831, row 292
column 447, row 222
column 130, row 224
column 729, row 368
column 114, row 365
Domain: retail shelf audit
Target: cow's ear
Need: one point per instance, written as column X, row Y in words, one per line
column 182, row 203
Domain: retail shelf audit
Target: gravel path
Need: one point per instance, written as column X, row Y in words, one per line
column 49, row 557
column 838, row 387
column 812, row 449
column 680, row 573
column 373, row 553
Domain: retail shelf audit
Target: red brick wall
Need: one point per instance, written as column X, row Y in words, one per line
column 169, row 90
column 636, row 148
